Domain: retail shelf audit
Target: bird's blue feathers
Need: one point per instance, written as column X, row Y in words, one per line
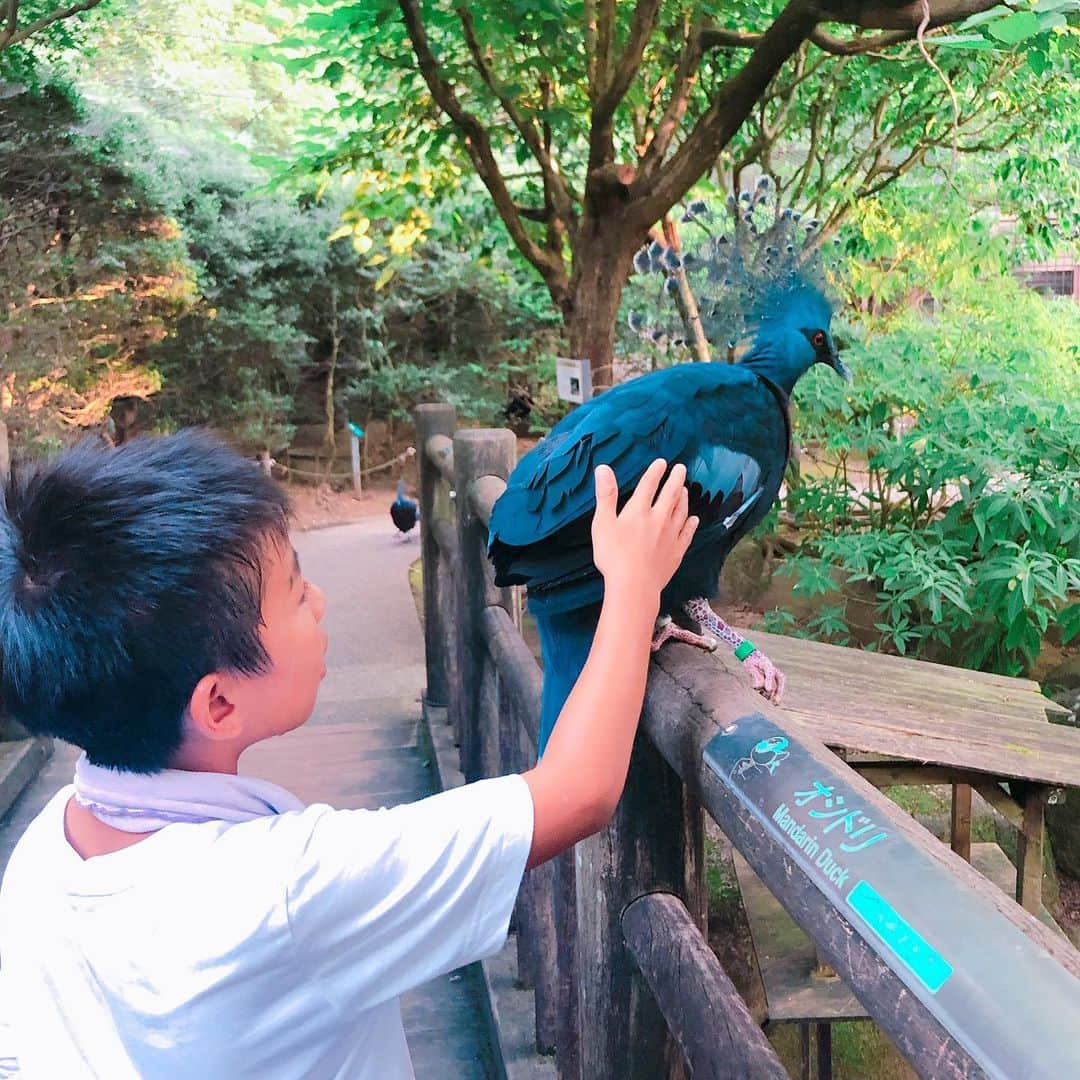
column 788, row 306
column 403, row 511
column 728, row 423
column 565, row 641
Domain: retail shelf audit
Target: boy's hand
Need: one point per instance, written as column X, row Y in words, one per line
column 639, row 549
column 577, row 783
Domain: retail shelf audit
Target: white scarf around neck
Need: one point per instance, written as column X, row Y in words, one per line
column 141, row 802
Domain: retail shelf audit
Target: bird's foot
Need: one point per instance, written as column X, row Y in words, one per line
column 668, row 629
column 765, row 677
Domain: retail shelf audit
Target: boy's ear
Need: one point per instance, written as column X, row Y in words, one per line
column 211, row 711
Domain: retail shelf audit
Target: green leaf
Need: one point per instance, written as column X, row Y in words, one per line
column 981, row 17
column 1051, row 20
column 1069, row 623
column 1015, row 28
column 962, row 41
column 1057, row 5
column 1038, row 61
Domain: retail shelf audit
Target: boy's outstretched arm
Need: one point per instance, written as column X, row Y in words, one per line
column 577, row 784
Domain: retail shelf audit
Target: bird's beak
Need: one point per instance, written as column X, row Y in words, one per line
column 840, row 367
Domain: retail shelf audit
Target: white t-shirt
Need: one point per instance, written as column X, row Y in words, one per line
column 271, row 948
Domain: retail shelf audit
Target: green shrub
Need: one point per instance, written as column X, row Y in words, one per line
column 948, row 477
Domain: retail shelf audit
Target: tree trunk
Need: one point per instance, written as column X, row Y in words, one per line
column 603, row 256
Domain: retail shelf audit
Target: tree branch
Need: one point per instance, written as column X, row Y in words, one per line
column 478, row 147
column 654, row 195
column 589, row 13
column 901, row 21
column 717, row 38
column 539, row 214
column 557, row 226
column 12, row 36
column 642, row 25
column 560, row 196
column 903, row 15
column 678, row 102
column 613, row 80
column 605, row 44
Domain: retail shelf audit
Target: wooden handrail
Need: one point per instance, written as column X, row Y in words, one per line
column 439, row 450
column 688, row 703
column 520, row 676
column 715, row 1031
column 586, row 1001
column 433, row 422
column 483, row 493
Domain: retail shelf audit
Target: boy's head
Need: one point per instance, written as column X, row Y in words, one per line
column 150, row 599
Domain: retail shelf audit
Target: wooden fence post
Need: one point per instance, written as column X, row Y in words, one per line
column 520, row 688
column 478, row 453
column 432, row 420
column 655, row 841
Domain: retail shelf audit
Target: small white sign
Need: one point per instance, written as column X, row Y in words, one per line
column 573, row 379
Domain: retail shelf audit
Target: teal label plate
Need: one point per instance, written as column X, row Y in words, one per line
column 1008, row 1003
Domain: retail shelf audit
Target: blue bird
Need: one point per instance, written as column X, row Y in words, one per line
column 403, row 511
column 729, row 424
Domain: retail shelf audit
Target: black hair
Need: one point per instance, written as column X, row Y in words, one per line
column 127, row 575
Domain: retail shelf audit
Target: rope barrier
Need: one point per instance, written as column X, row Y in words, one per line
column 407, row 453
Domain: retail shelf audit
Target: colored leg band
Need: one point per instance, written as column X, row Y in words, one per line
column 744, row 649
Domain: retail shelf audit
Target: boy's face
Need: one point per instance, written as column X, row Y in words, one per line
column 283, row 697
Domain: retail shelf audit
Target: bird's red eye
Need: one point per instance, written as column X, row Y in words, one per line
column 818, row 340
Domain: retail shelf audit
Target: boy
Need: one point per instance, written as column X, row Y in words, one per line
column 165, row 917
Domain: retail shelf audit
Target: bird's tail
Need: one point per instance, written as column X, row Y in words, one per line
column 565, row 641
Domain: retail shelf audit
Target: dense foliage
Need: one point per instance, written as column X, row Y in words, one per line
column 155, row 263
column 948, row 476
column 92, row 273
column 164, row 270
column 588, row 123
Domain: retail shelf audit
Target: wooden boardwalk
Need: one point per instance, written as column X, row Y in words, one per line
column 359, row 750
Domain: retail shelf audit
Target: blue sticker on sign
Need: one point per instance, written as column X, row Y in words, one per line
column 924, row 961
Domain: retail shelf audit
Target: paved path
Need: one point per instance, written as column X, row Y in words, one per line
column 358, row 750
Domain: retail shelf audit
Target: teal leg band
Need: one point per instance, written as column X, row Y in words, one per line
column 744, row 650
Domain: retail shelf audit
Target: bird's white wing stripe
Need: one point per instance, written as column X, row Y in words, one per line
column 736, row 514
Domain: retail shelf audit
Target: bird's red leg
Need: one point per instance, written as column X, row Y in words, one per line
column 767, row 678
column 668, row 630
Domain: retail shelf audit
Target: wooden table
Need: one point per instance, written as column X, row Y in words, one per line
column 900, row 721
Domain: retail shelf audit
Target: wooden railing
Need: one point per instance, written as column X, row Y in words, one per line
column 611, row 936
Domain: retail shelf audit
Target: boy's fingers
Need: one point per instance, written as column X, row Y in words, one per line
column 682, row 506
column 673, row 489
column 607, row 492
column 649, row 482
column 686, row 533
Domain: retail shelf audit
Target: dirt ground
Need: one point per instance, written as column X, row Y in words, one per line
column 318, row 507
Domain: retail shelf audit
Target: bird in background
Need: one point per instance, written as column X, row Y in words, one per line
column 404, row 512
column 729, row 424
